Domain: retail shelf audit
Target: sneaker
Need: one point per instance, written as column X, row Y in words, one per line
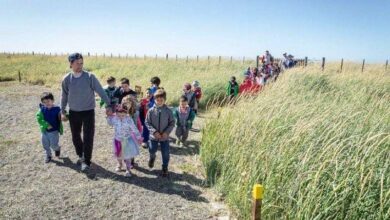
column 164, row 172
column 80, row 161
column 151, row 162
column 128, row 173
column 144, row 145
column 84, row 167
column 48, row 159
column 57, row 153
column 118, row 169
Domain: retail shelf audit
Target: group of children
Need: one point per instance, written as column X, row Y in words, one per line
column 254, row 80
column 147, row 122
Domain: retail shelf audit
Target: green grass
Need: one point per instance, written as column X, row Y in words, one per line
column 49, row 70
column 318, row 142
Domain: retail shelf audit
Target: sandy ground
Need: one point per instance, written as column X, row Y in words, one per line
column 31, row 189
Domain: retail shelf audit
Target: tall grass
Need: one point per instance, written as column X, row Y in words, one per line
column 49, row 70
column 318, row 142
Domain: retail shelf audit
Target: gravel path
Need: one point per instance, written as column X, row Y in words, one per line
column 34, row 190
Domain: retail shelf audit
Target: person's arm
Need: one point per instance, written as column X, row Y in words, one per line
column 191, row 119
column 110, row 120
column 97, row 87
column 64, row 95
column 171, row 123
column 41, row 121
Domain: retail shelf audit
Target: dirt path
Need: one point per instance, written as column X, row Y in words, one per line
column 31, row 189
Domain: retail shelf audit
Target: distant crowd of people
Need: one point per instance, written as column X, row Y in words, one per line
column 256, row 77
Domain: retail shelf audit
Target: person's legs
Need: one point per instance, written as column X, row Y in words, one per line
column 88, row 134
column 165, row 154
column 178, row 134
column 54, row 138
column 46, row 146
column 75, row 128
column 152, row 152
column 184, row 136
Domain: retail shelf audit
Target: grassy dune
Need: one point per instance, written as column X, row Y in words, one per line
column 50, row 70
column 318, row 142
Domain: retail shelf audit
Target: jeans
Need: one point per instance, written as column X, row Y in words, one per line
column 84, row 120
column 50, row 141
column 164, row 151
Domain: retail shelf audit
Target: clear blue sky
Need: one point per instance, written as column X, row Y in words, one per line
column 352, row 29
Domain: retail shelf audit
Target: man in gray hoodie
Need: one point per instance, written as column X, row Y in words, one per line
column 160, row 122
column 78, row 91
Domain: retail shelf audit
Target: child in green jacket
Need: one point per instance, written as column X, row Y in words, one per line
column 232, row 88
column 49, row 120
column 184, row 116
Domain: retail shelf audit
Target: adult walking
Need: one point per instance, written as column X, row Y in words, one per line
column 78, row 90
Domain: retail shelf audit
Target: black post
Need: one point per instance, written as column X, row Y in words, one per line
column 387, row 63
column 257, row 61
column 305, row 61
column 364, row 60
column 323, row 63
column 341, row 67
column 89, row 54
column 166, row 57
column 33, row 53
column 20, row 77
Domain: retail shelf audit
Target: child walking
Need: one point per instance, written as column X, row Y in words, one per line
column 143, row 110
column 126, row 139
column 49, row 120
column 232, row 88
column 160, row 123
column 155, row 85
column 184, row 116
column 198, row 93
column 187, row 91
column 110, row 90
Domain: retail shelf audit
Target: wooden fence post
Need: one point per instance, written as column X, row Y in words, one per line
column 257, row 61
column 323, row 63
column 33, row 53
column 89, row 54
column 219, row 60
column 166, row 57
column 364, row 60
column 305, row 61
column 341, row 66
column 20, row 76
column 387, row 63
column 257, row 196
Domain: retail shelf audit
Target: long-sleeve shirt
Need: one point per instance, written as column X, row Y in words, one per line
column 79, row 92
column 160, row 119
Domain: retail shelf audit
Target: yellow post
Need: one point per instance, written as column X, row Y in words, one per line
column 257, row 194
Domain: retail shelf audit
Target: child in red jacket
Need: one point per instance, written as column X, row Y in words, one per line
column 198, row 93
